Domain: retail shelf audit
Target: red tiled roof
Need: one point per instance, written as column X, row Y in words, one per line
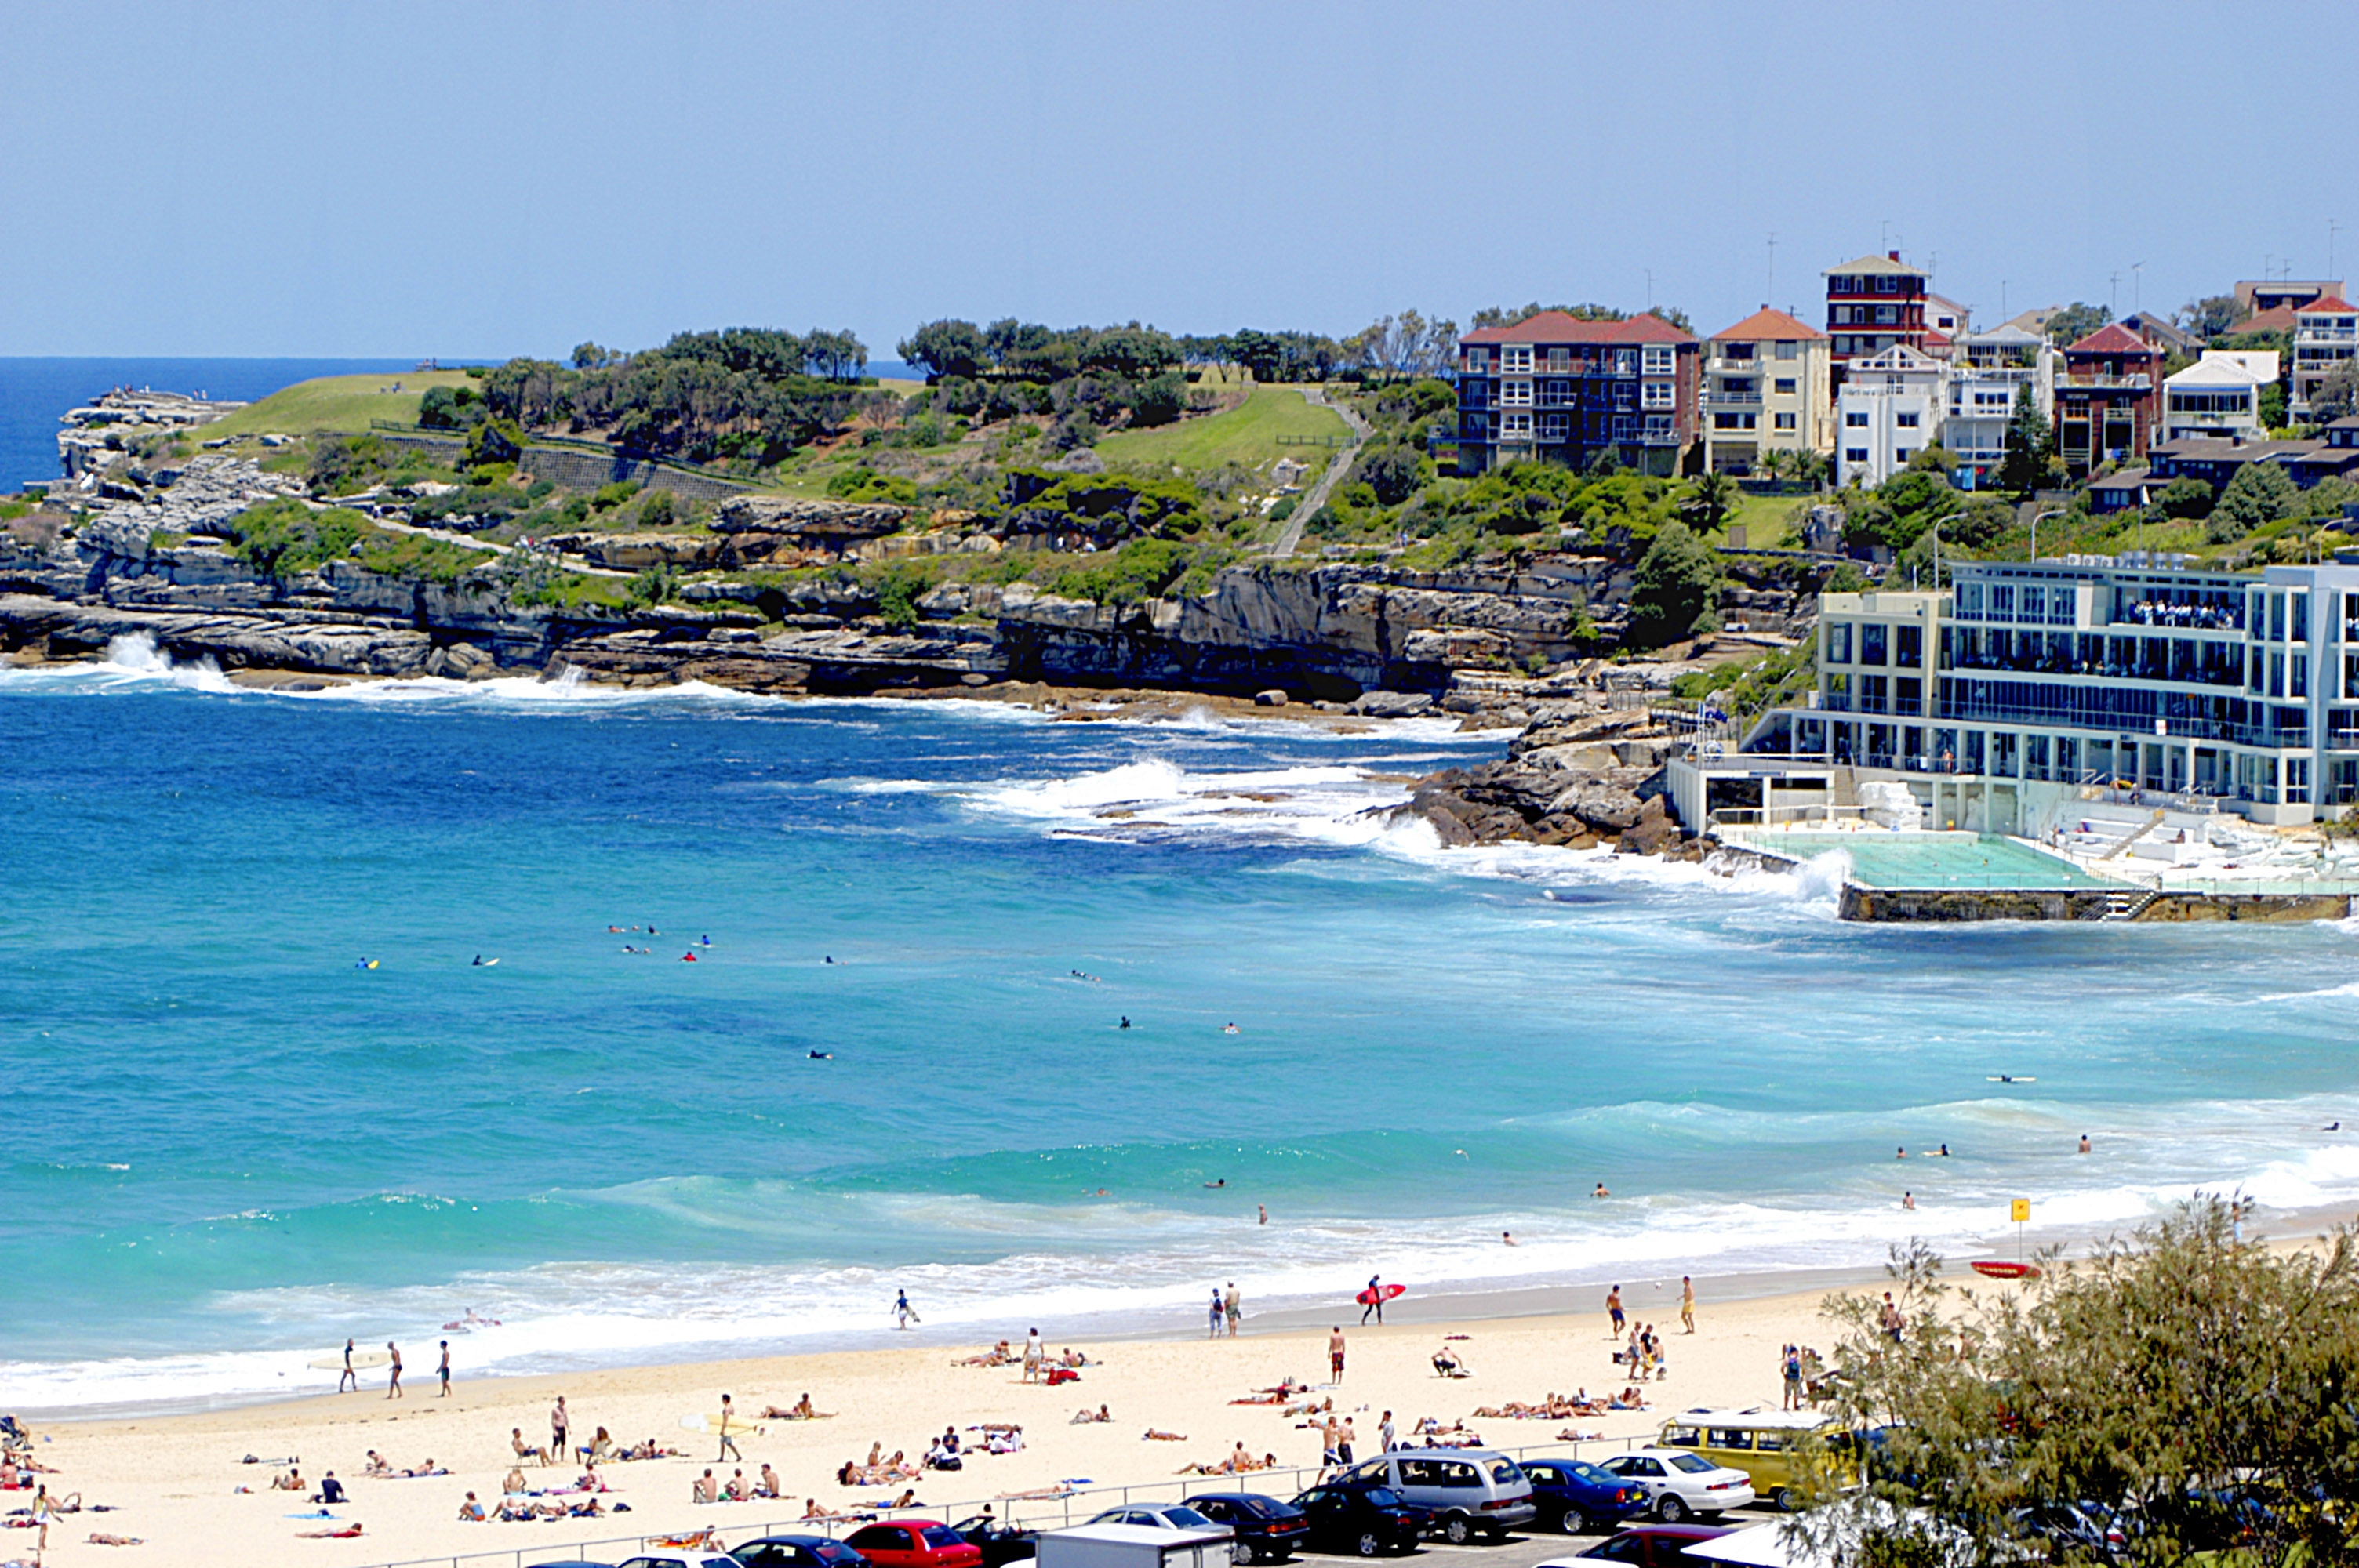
column 1559, row 327
column 2113, row 338
column 2275, row 319
column 2333, row 302
column 1767, row 326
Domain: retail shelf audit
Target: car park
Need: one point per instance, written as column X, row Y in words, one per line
column 1471, row 1491
column 1172, row 1516
column 1267, row 1528
column 1361, row 1519
column 914, row 1543
column 1679, row 1483
column 798, row 1551
column 1579, row 1498
column 1645, row 1546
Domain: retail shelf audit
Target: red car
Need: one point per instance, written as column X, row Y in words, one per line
column 914, row 1543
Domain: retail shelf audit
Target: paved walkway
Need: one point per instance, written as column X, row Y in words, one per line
column 1308, row 507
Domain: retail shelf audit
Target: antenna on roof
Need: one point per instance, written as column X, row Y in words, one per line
column 1771, row 292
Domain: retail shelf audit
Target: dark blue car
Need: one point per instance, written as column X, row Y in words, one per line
column 1577, row 1497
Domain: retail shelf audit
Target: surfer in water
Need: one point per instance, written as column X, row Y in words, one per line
column 1125, row 1024
column 904, row 1314
column 822, row 1056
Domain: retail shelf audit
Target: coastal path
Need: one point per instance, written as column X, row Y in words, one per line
column 1340, row 465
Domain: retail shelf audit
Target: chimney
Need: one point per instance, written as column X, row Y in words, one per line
column 1893, row 255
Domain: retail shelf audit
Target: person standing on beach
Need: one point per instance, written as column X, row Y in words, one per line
column 1335, row 1353
column 559, row 1423
column 1218, row 1314
column 1032, row 1355
column 1385, row 1433
column 1687, row 1302
column 1375, row 1302
column 445, row 1371
column 728, row 1442
column 349, row 1377
column 1614, row 1311
column 393, row 1384
column 1793, row 1371
column 1236, row 1308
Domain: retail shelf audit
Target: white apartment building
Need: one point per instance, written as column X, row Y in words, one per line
column 1890, row 408
column 2219, row 395
column 2325, row 333
column 1987, row 372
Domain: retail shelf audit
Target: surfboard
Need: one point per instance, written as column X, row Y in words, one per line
column 710, row 1426
column 363, row 1360
column 1370, row 1297
column 2010, row 1078
column 1999, row 1269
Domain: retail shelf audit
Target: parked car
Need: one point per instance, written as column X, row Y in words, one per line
column 2088, row 1528
column 1365, row 1519
column 1782, row 1453
column 798, row 1551
column 1577, row 1497
column 998, row 1540
column 673, row 1557
column 1171, row 1516
column 1267, row 1528
column 914, row 1543
column 1679, row 1483
column 1471, row 1491
column 570, row 1563
column 1645, row 1546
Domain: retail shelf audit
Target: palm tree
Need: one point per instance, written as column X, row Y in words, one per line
column 1711, row 502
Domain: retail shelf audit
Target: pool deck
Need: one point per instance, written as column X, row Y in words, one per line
column 1910, row 877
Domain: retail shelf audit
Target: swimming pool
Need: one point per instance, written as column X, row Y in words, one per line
column 1931, row 860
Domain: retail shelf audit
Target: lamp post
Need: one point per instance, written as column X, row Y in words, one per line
column 2034, row 529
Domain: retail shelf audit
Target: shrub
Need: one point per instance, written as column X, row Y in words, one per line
column 1392, row 474
column 495, row 441
column 897, row 596
column 282, row 537
column 1161, row 399
column 1284, row 509
column 1141, row 569
column 2185, row 498
column 656, row 512
column 2259, row 495
column 613, row 494
column 1673, row 587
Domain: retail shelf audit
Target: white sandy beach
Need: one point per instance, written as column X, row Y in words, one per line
column 175, row 1479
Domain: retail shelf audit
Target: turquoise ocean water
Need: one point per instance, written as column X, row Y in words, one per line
column 228, row 1146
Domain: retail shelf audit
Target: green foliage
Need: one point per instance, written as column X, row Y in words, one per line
column 448, row 407
column 896, row 595
column 653, row 586
column 495, row 441
column 946, row 349
column 2075, row 323
column 657, row 510
column 1709, row 502
column 1897, row 512
column 491, row 504
column 611, row 495
column 538, row 488
column 2212, row 315
column 2259, row 495
column 417, row 559
column 1107, row 505
column 1935, row 459
column 1141, row 569
column 590, row 356
column 1160, row 400
column 2336, row 396
column 863, row 483
column 1767, row 682
column 340, row 464
column 12, row 510
column 2191, row 1384
column 2030, row 445
column 2185, row 498
column 1673, row 587
column 1392, row 474
column 281, row 537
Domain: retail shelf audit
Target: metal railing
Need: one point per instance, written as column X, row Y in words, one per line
column 1050, row 1513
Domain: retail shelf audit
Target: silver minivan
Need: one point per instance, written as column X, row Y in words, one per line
column 1471, row 1491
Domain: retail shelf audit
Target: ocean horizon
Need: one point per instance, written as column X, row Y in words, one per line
column 241, row 948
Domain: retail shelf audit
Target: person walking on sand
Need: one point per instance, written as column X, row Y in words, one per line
column 1614, row 1311
column 1793, row 1371
column 393, row 1383
column 1687, row 1302
column 1235, row 1308
column 445, row 1371
column 1344, row 1443
column 1032, row 1357
column 1217, row 1315
column 559, row 1423
column 350, row 1377
column 1375, row 1302
column 1335, row 1353
column 728, row 1442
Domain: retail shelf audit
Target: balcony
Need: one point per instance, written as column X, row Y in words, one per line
column 2326, row 335
column 1730, row 399
column 2139, row 383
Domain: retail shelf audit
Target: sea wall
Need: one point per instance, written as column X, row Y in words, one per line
column 1909, row 904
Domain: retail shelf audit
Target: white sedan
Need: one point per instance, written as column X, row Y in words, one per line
column 1678, row 1483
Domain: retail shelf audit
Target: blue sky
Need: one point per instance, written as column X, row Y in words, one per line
column 486, row 178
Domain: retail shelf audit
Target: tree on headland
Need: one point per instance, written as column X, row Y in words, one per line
column 2259, row 494
column 590, row 356
column 1671, row 593
column 2188, row 1389
column 946, row 348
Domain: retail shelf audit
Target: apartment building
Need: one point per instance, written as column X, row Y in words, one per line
column 2282, row 292
column 2109, row 398
column 2325, row 331
column 1556, row 388
column 1872, row 304
column 2028, row 680
column 1765, row 389
column 1988, row 371
column 2218, row 396
column 1889, row 408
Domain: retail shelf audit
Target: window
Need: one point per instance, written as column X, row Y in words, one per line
column 1560, row 359
column 1906, row 421
column 1515, row 393
column 1659, row 394
column 1625, row 362
column 1887, row 316
column 1785, row 386
column 1839, row 643
column 1516, row 361
column 1854, row 454
column 1737, row 350
column 1659, row 358
column 1872, row 637
column 1555, row 426
column 1902, row 454
column 1733, row 422
column 1908, row 644
column 1789, row 351
column 1477, row 360
column 1785, row 421
column 1515, row 425
column 1854, row 419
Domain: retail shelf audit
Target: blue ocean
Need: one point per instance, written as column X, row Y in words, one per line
column 261, row 1096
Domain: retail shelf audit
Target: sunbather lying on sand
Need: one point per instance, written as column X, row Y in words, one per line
column 1085, row 1417
column 998, row 1356
column 342, row 1532
column 800, row 1410
column 1154, row 1437
column 812, row 1510
column 100, row 1538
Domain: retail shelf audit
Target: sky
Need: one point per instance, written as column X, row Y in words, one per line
column 503, row 177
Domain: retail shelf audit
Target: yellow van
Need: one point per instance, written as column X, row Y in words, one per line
column 1763, row 1444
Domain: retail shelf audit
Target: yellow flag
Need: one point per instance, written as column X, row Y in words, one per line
column 2020, row 1210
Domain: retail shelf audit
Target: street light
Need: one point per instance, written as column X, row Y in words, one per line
column 2034, row 529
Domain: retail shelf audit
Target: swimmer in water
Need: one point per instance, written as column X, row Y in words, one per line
column 1230, row 1029
column 1125, row 1024
column 687, row 958
column 2332, row 1127
column 479, row 960
column 822, row 1056
column 1221, row 1182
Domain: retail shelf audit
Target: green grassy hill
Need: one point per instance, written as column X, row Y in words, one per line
column 1246, row 434
column 341, row 402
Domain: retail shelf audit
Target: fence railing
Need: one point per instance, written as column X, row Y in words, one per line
column 1039, row 1513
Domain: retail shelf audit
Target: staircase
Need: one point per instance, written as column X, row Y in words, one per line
column 2128, row 905
column 2122, row 845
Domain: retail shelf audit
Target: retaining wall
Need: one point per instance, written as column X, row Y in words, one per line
column 1905, row 904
